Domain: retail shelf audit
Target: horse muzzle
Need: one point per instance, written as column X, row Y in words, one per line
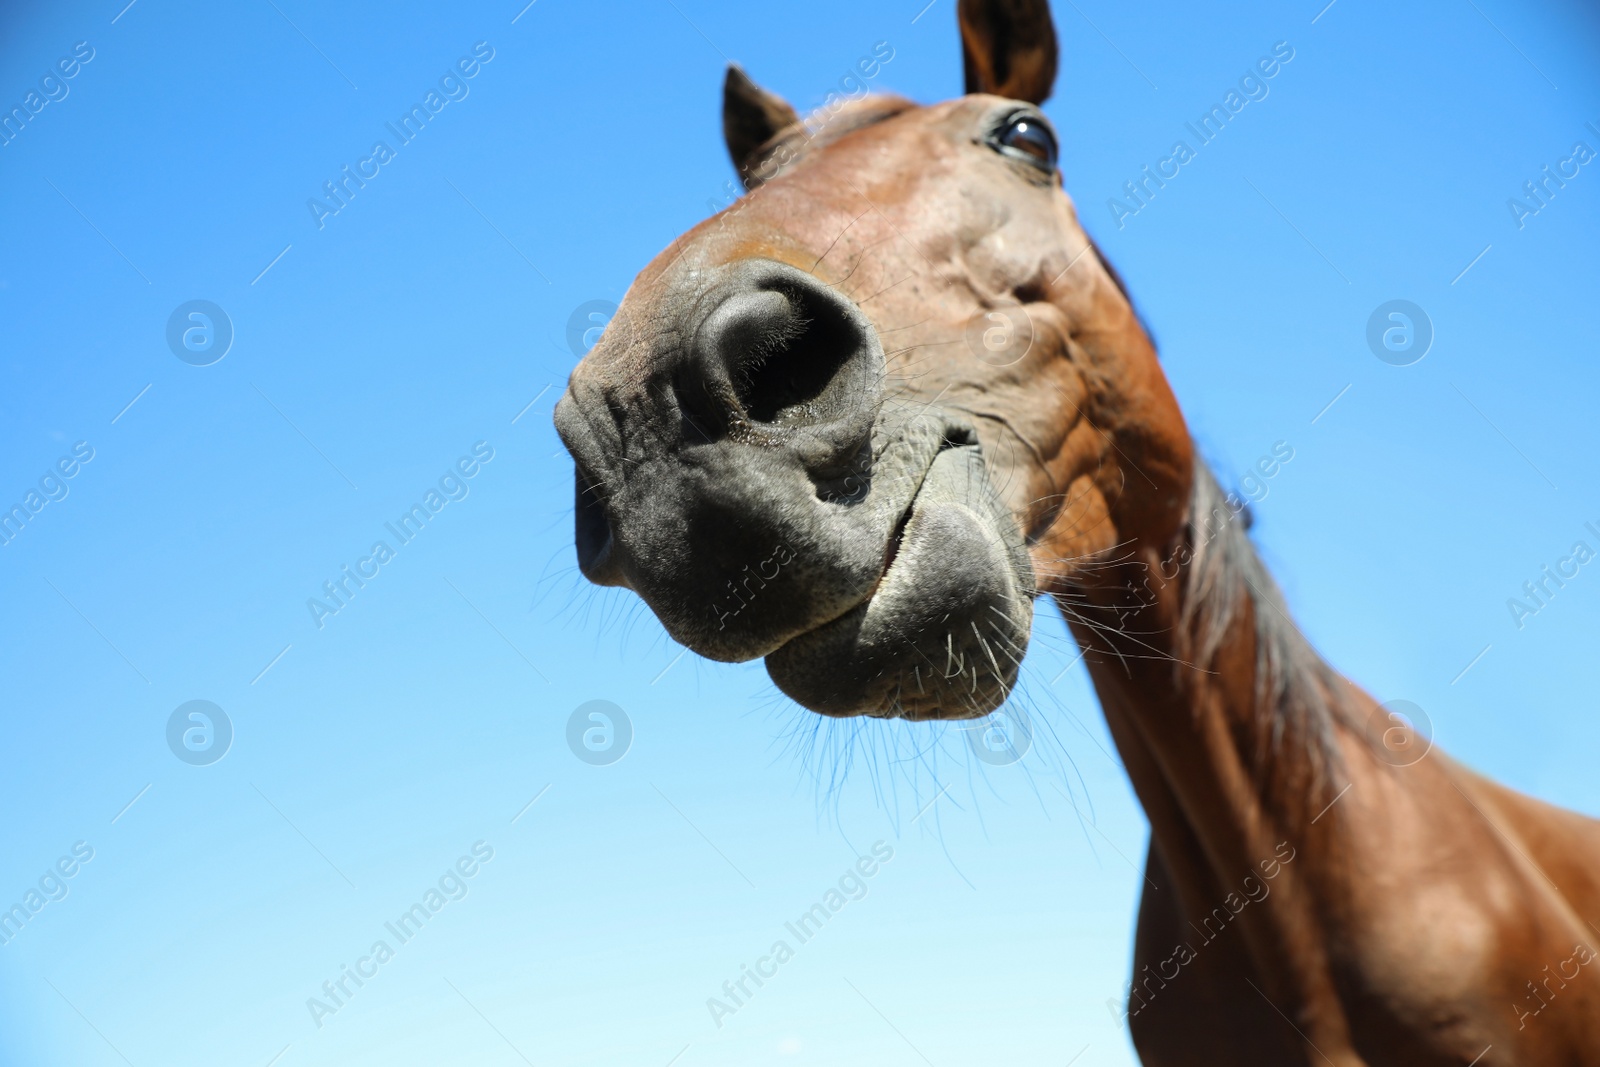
column 741, row 467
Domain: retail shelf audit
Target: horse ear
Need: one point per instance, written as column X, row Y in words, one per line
column 750, row 116
column 1008, row 48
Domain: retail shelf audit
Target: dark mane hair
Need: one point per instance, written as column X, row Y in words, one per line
column 1299, row 698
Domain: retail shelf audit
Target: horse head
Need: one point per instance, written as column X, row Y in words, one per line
column 856, row 422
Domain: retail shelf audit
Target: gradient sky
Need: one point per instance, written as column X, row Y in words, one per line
column 431, row 313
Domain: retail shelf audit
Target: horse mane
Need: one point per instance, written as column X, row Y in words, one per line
column 1300, row 699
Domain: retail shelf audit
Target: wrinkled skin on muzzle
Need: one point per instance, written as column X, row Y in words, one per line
column 765, row 498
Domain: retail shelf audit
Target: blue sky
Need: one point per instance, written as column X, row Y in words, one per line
column 430, row 315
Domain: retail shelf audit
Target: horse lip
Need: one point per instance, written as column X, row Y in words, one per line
column 891, row 549
column 955, row 553
column 891, row 552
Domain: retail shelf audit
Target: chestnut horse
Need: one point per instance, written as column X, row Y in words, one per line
column 858, row 421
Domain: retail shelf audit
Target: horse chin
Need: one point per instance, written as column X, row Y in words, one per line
column 943, row 633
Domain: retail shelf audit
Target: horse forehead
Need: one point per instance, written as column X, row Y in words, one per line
column 870, row 158
column 861, row 208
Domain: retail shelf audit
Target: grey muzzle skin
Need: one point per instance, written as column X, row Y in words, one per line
column 741, row 468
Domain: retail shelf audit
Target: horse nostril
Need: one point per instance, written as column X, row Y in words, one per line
column 597, row 555
column 791, row 351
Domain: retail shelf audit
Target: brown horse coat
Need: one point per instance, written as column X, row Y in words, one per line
column 892, row 395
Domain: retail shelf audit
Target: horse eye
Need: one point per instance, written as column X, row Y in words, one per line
column 1030, row 136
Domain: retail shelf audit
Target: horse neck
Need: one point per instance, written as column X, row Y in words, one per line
column 1225, row 717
